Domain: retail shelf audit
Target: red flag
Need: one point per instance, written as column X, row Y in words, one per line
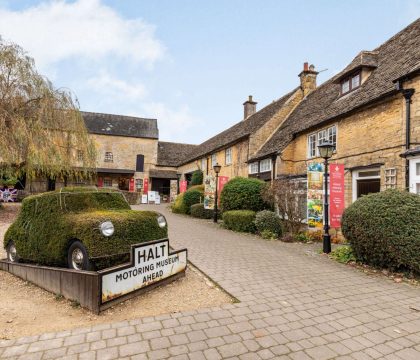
column 336, row 194
column 182, row 186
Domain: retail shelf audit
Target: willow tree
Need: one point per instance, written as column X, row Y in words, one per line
column 42, row 133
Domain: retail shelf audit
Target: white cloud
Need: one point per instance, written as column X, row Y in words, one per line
column 58, row 30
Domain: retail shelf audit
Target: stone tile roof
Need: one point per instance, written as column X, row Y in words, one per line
column 163, row 174
column 119, row 125
column 238, row 131
column 171, row 154
column 398, row 56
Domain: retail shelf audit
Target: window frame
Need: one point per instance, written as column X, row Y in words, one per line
column 109, row 156
column 213, row 160
column 230, row 156
column 326, row 133
column 268, row 161
column 356, row 176
column 250, row 171
column 349, row 78
column 106, row 180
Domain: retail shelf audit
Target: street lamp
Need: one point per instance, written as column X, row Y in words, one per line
column 216, row 169
column 325, row 151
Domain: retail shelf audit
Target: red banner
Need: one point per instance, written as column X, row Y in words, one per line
column 336, row 194
column 100, row 182
column 145, row 186
column 222, row 182
column 131, row 189
column 182, row 186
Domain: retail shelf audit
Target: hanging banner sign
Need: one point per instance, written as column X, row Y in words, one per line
column 100, row 182
column 145, row 186
column 174, row 190
column 222, row 182
column 336, row 194
column 150, row 263
column 131, row 188
column 315, row 195
column 183, row 186
column 209, row 191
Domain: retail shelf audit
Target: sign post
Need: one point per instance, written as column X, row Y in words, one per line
column 336, row 194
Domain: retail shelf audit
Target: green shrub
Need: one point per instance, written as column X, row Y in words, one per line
column 243, row 194
column 198, row 211
column 268, row 220
column 239, row 220
column 194, row 195
column 178, row 207
column 384, row 229
column 267, row 234
column 301, row 237
column 197, row 177
column 343, row 254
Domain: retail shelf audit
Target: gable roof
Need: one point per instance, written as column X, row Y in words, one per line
column 119, row 125
column 397, row 57
column 171, row 154
column 238, row 131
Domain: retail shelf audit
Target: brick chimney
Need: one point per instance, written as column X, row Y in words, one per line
column 308, row 79
column 250, row 107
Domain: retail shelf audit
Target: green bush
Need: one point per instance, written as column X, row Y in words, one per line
column 269, row 221
column 198, row 211
column 184, row 201
column 49, row 222
column 269, row 235
column 178, row 207
column 197, row 177
column 343, row 254
column 192, row 197
column 243, row 194
column 384, row 229
column 239, row 220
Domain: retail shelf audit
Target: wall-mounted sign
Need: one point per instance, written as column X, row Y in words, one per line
column 209, row 190
column 150, row 263
column 131, row 185
column 315, row 195
column 145, row 186
column 336, row 194
column 183, row 186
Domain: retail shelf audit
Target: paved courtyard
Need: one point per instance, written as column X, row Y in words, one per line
column 294, row 304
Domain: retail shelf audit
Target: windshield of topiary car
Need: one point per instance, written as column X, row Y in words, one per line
column 89, row 201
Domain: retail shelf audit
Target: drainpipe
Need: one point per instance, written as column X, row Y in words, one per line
column 273, row 159
column 407, row 93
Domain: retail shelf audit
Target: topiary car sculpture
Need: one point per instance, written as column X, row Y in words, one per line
column 81, row 228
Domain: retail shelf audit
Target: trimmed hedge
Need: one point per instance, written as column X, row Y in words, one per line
column 198, row 211
column 243, row 194
column 184, row 201
column 239, row 220
column 178, row 207
column 384, row 229
column 266, row 220
column 192, row 197
column 48, row 223
column 197, row 177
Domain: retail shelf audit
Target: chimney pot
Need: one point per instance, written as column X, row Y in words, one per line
column 308, row 78
column 305, row 66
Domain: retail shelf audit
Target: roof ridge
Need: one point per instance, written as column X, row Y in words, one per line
column 116, row 115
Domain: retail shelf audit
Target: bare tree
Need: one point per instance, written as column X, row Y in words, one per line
column 288, row 196
column 42, row 132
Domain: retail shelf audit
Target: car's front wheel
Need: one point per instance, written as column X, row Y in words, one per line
column 77, row 257
column 11, row 251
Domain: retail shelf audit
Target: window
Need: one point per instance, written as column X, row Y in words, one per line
column 109, row 157
column 107, row 182
column 265, row 165
column 204, row 164
column 329, row 134
column 140, row 163
column 228, row 156
column 350, row 83
column 213, row 160
column 79, row 155
column 390, row 178
column 139, row 184
column 253, row 168
column 365, row 182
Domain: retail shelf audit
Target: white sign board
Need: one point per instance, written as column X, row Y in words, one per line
column 151, row 196
column 144, row 199
column 157, row 199
column 151, row 262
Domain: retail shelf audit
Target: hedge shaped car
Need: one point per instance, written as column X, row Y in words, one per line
column 80, row 228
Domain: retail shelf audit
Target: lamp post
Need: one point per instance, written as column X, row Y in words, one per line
column 325, row 151
column 216, row 169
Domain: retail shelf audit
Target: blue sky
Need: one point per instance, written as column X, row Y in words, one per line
column 191, row 64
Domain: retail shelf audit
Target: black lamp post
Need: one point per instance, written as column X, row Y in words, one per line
column 325, row 151
column 216, row 169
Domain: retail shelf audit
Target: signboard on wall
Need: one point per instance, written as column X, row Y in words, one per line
column 183, row 186
column 174, row 190
column 100, row 182
column 209, row 191
column 315, row 195
column 131, row 185
column 150, row 263
column 145, row 186
column 336, row 194
column 223, row 180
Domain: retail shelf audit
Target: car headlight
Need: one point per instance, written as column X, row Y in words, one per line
column 107, row 228
column 161, row 221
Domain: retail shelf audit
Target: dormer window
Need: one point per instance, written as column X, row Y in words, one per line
column 350, row 83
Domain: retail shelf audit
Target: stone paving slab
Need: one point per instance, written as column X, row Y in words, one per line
column 294, row 304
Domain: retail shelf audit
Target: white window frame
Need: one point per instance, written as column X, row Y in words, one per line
column 109, row 156
column 228, row 156
column 390, row 178
column 414, row 178
column 263, row 168
column 213, row 160
column 320, row 136
column 356, row 176
column 106, row 180
column 251, row 167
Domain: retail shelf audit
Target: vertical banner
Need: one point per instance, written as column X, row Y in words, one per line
column 209, row 190
column 131, row 186
column 145, row 186
column 183, row 186
column 174, row 190
column 315, row 195
column 222, row 181
column 100, row 182
column 336, row 194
